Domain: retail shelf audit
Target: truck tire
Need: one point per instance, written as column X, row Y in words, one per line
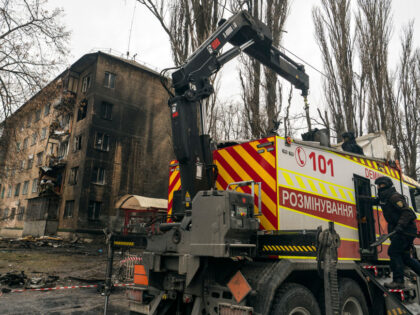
column 294, row 299
column 352, row 299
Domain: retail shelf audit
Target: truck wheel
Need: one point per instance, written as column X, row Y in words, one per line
column 352, row 300
column 294, row 299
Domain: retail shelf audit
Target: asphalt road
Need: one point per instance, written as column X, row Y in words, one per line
column 70, row 301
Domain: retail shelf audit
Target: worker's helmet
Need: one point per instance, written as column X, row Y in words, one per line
column 384, row 180
column 348, row 135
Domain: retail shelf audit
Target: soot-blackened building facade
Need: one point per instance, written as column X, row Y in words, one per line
column 106, row 133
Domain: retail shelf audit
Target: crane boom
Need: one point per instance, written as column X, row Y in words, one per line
column 192, row 85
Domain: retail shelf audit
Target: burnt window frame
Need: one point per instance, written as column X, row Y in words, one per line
column 94, row 210
column 68, row 209
column 82, row 110
column 101, row 146
column 97, row 174
column 73, row 175
column 106, row 110
column 77, row 143
column 86, row 83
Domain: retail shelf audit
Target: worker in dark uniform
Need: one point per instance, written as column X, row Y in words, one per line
column 350, row 144
column 400, row 218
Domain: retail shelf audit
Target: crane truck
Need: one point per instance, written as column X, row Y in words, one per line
column 270, row 226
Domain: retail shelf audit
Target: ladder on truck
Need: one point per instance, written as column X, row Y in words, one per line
column 397, row 301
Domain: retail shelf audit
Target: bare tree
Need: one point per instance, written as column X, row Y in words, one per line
column 334, row 35
column 260, row 85
column 33, row 42
column 407, row 120
column 374, row 24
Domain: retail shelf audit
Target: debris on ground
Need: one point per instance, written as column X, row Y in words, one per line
column 13, row 279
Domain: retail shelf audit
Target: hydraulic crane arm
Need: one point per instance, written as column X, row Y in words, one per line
column 191, row 84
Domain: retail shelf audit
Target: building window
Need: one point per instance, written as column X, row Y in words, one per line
column 20, row 213
column 12, row 214
column 17, row 146
column 35, row 185
column 109, row 80
column 25, row 187
column 62, row 150
column 65, row 121
column 2, row 192
column 86, row 83
column 73, row 175
column 68, row 209
column 82, row 111
column 9, row 191
column 106, row 110
column 37, row 115
column 77, row 143
column 17, row 190
column 25, row 143
column 98, row 175
column 94, row 210
column 29, row 121
column 47, row 109
column 30, row 163
column 39, row 158
column 34, row 136
column 22, row 164
column 43, row 133
column 102, row 141
column 6, row 214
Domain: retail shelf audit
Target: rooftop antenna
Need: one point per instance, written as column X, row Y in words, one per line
column 131, row 28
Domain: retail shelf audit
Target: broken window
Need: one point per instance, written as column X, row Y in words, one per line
column 25, row 187
column 43, row 133
column 22, row 164
column 2, row 192
column 39, row 157
column 65, row 121
column 30, row 163
column 77, row 143
column 109, row 80
column 72, row 84
column 102, row 141
column 25, row 143
column 106, row 110
column 82, row 111
column 68, row 209
column 86, row 83
column 12, row 214
column 20, row 213
column 47, row 109
column 62, row 150
column 6, row 213
column 73, row 175
column 17, row 190
column 17, row 146
column 98, row 175
column 94, row 210
column 37, row 115
column 34, row 136
column 35, row 185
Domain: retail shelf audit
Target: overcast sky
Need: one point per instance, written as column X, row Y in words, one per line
column 105, row 24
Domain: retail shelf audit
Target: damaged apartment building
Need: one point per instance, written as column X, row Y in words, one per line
column 98, row 131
